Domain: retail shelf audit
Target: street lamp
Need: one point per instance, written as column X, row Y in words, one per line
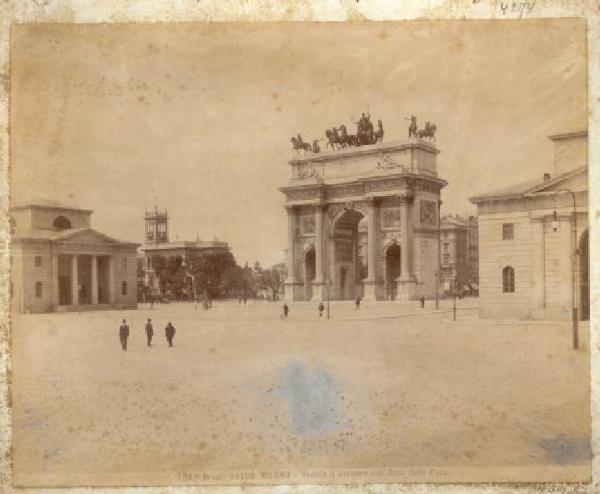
column 190, row 276
column 555, row 228
column 439, row 259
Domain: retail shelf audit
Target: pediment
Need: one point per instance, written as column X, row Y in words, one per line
column 575, row 181
column 87, row 236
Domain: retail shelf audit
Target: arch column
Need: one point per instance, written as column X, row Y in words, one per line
column 292, row 286
column 406, row 281
column 317, row 292
column 373, row 281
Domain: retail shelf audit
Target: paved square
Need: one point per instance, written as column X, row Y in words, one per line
column 244, row 389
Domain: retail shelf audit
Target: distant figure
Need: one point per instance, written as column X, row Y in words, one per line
column 357, row 303
column 124, row 334
column 422, row 300
column 170, row 333
column 286, row 310
column 321, row 309
column 149, row 332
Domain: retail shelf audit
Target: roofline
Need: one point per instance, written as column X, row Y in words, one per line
column 57, row 208
column 568, row 135
column 397, row 145
column 528, row 192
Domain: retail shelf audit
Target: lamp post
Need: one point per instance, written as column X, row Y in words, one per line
column 555, row 228
column 190, row 276
column 454, row 279
column 439, row 259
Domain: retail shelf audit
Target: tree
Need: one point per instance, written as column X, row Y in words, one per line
column 271, row 279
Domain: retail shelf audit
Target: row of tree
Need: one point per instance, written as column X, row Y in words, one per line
column 214, row 275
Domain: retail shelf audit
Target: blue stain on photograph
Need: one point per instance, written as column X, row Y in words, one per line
column 313, row 398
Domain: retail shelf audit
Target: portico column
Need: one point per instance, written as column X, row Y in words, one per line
column 55, row 296
column 75, row 280
column 111, row 280
column 538, row 280
column 405, row 273
column 372, row 280
column 94, row 279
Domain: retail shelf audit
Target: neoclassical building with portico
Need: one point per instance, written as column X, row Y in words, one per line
column 362, row 221
column 60, row 263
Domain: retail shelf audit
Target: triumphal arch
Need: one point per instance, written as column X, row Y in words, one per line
column 363, row 221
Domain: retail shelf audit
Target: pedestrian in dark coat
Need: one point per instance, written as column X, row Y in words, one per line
column 170, row 333
column 124, row 334
column 422, row 299
column 321, row 309
column 357, row 303
column 286, row 310
column 149, row 332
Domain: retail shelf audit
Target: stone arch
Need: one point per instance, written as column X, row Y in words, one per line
column 393, row 270
column 346, row 266
column 309, row 270
column 61, row 223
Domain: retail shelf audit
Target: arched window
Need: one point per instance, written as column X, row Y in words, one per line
column 13, row 225
column 508, row 280
column 123, row 288
column 62, row 223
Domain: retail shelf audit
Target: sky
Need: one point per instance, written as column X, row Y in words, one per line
column 197, row 118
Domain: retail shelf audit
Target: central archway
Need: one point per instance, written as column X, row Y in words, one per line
column 349, row 237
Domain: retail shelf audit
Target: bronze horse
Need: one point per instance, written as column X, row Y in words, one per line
column 347, row 139
column 413, row 129
column 298, row 144
column 333, row 138
column 428, row 131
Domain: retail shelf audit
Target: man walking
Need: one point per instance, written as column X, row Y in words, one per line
column 170, row 333
column 149, row 332
column 321, row 309
column 422, row 300
column 357, row 303
column 286, row 310
column 124, row 334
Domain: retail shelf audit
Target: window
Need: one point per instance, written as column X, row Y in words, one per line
column 508, row 231
column 445, row 247
column 38, row 261
column 123, row 288
column 124, row 263
column 508, row 280
column 61, row 223
column 38, row 289
column 13, row 225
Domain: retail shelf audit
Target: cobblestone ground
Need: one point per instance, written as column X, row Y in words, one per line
column 386, row 385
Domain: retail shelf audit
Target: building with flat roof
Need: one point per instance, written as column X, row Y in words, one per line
column 60, row 263
column 157, row 243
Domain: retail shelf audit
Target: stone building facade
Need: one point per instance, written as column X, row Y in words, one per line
column 157, row 243
column 459, row 266
column 362, row 221
column 59, row 263
column 533, row 240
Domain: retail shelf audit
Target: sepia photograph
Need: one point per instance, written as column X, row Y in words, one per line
column 299, row 253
